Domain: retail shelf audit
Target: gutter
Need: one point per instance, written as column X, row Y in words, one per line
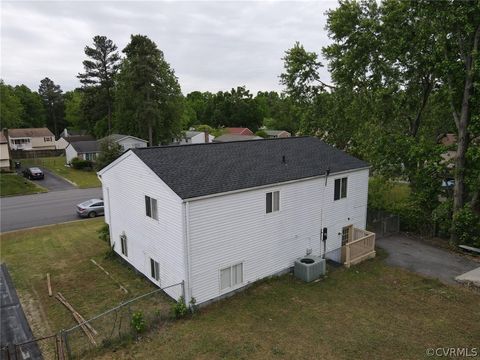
column 187, row 258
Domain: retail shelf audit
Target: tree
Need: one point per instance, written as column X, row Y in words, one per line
column 73, row 108
column 109, row 152
column 33, row 114
column 100, row 69
column 11, row 108
column 148, row 98
column 52, row 99
column 459, row 39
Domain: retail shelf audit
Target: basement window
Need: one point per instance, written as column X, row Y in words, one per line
column 340, row 189
column 123, row 243
column 272, row 201
column 151, row 207
column 154, row 269
column 231, row 276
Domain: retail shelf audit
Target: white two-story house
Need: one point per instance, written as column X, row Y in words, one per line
column 220, row 216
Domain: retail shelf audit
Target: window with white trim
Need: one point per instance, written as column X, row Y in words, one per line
column 340, row 191
column 151, row 207
column 154, row 269
column 272, row 201
column 123, row 243
column 231, row 276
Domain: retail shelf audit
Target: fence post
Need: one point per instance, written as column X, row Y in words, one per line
column 183, row 290
column 64, row 337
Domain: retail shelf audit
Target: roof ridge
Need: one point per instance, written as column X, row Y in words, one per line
column 227, row 142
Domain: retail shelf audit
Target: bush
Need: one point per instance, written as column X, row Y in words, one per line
column 180, row 309
column 467, row 226
column 262, row 134
column 81, row 164
column 138, row 322
column 104, row 233
column 193, row 305
column 442, row 217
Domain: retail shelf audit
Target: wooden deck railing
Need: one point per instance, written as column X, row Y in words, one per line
column 361, row 247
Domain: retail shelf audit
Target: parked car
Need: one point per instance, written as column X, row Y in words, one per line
column 33, row 173
column 90, row 208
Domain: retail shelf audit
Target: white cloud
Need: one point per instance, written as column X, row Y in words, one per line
column 211, row 45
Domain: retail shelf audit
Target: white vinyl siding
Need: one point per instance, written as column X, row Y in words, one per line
column 231, row 276
column 124, row 188
column 227, row 228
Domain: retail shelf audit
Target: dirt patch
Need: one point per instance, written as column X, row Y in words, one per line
column 35, row 314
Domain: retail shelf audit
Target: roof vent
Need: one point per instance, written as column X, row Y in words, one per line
column 284, row 160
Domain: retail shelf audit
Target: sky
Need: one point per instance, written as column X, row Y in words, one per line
column 212, row 46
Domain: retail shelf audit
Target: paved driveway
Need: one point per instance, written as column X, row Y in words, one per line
column 19, row 212
column 53, row 182
column 14, row 325
column 425, row 259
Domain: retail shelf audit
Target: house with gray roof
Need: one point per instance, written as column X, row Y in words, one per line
column 85, row 150
column 195, row 137
column 218, row 217
column 273, row 134
column 127, row 141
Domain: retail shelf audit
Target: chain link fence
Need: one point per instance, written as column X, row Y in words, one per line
column 383, row 223
column 141, row 314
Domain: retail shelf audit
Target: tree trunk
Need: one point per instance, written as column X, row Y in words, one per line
column 461, row 121
column 109, row 109
column 150, row 134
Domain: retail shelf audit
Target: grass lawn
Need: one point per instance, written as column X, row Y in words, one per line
column 65, row 251
column 13, row 184
column 368, row 311
column 83, row 178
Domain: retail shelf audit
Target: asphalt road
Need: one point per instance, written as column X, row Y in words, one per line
column 425, row 259
column 19, row 212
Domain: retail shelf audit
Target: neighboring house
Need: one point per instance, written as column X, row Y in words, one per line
column 238, row 131
column 31, row 139
column 195, row 137
column 63, row 142
column 221, row 216
column 73, row 132
column 4, row 152
column 127, row 141
column 273, row 134
column 85, row 150
column 450, row 142
column 232, row 137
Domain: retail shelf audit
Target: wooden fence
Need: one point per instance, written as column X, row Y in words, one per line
column 360, row 247
column 33, row 154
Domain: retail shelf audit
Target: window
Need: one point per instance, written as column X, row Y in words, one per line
column 272, row 201
column 123, row 243
column 47, row 139
column 231, row 276
column 151, row 207
column 20, row 141
column 345, row 234
column 340, row 189
column 90, row 156
column 154, row 269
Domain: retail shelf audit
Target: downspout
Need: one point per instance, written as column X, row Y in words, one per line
column 186, row 228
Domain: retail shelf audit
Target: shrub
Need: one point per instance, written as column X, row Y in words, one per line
column 467, row 226
column 138, row 322
column 104, row 233
column 193, row 305
column 442, row 217
column 180, row 309
column 81, row 164
column 262, row 134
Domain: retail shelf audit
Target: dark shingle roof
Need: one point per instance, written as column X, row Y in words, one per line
column 82, row 147
column 205, row 169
